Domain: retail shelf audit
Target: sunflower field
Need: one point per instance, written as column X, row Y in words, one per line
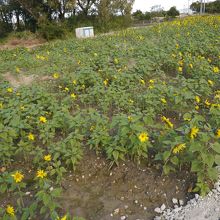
column 142, row 94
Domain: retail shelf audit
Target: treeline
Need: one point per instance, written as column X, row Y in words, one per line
column 53, row 18
column 211, row 7
column 159, row 12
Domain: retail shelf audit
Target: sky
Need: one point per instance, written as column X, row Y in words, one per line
column 145, row 5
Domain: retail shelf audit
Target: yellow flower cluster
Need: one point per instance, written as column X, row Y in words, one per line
column 47, row 157
column 10, row 210
column 194, row 132
column 216, row 69
column 105, row 82
column 143, row 137
column 9, row 90
column 163, row 100
column 41, row 174
column 56, row 75
column 18, row 176
column 73, row 96
column 39, row 57
column 167, row 121
column 42, row 119
column 177, row 149
column 31, row 137
column 151, row 84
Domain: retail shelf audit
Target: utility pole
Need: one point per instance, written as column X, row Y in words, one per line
column 201, row 7
column 188, row 7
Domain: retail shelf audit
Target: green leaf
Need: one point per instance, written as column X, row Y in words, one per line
column 216, row 147
column 166, row 169
column 115, row 155
column 217, row 159
column 212, row 173
column 195, row 146
column 208, row 159
column 175, row 160
column 166, row 155
column 196, row 166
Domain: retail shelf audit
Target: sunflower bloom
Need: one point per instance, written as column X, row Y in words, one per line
column 47, row 157
column 31, row 137
column 42, row 119
column 197, row 98
column 218, row 133
column 41, row 174
column 167, row 121
column 180, row 69
column 194, row 132
column 10, row 210
column 142, row 82
column 9, row 90
column 105, row 82
column 179, row 148
column 56, row 75
column 63, row 218
column 216, row 69
column 210, row 82
column 73, row 96
column 163, row 100
column 143, row 137
column 18, row 177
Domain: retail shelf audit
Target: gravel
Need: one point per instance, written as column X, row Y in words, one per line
column 198, row 208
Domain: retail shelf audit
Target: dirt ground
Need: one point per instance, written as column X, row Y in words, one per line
column 27, row 43
column 23, row 80
column 97, row 193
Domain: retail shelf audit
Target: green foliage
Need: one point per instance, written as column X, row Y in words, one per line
column 51, row 31
column 173, row 12
column 116, row 97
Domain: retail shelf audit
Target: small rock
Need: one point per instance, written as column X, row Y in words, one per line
column 136, row 201
column 162, row 208
column 126, row 206
column 27, row 193
column 123, row 217
column 116, row 211
column 218, row 189
column 197, row 196
column 157, row 210
column 145, row 208
column 181, row 202
column 217, row 209
column 174, row 200
column 176, row 206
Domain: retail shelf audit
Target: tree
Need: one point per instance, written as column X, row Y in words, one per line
column 85, row 5
column 173, row 12
column 138, row 15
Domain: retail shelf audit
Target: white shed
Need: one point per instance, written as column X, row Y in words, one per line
column 84, row 32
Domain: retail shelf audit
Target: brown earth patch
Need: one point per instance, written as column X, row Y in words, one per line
column 95, row 192
column 27, row 43
column 23, row 80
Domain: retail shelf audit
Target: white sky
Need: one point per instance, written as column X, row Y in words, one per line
column 145, row 5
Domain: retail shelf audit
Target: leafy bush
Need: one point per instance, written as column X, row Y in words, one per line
column 51, row 31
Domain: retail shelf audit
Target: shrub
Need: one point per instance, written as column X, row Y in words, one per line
column 50, row 31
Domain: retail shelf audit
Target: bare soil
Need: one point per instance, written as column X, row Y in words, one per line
column 23, row 80
column 95, row 192
column 27, row 43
